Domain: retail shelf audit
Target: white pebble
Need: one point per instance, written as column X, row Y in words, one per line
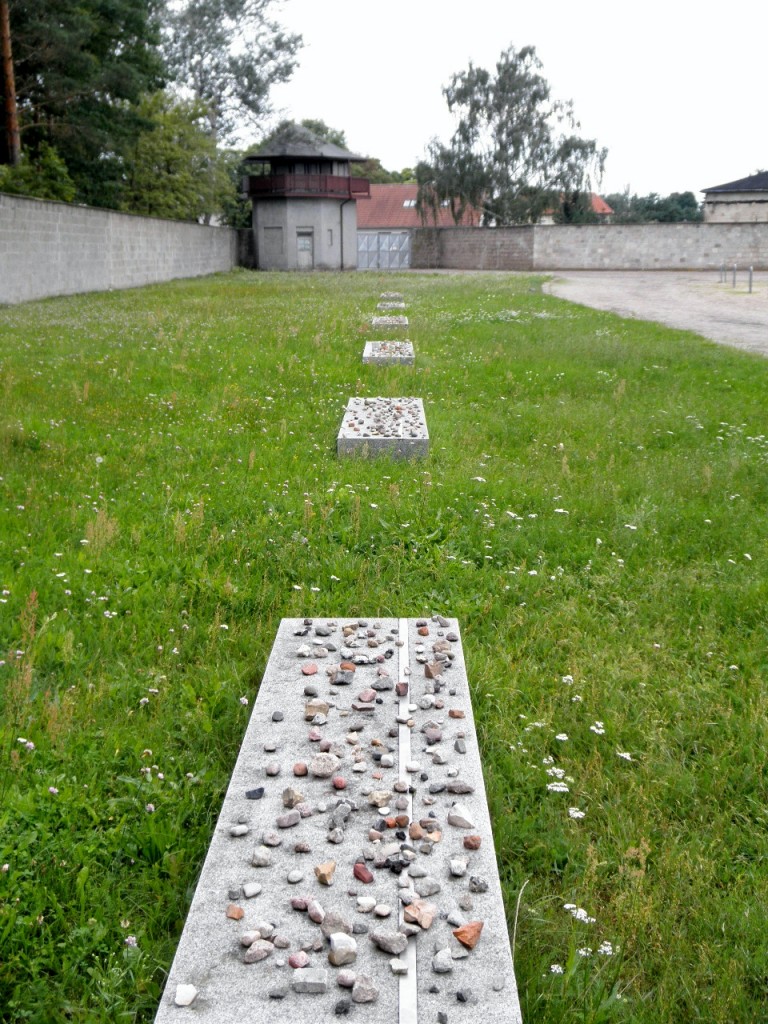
column 185, row 995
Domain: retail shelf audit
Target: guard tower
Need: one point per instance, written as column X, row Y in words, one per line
column 304, row 214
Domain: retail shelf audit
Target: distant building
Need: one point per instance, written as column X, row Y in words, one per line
column 304, row 203
column 742, row 202
column 386, row 220
column 599, row 207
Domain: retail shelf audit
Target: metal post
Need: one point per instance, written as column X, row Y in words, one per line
column 722, row 273
column 734, row 275
column 750, row 280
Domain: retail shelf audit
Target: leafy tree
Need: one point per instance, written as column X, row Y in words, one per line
column 175, row 168
column 514, row 153
column 236, row 209
column 674, row 208
column 228, row 54
column 324, row 131
column 373, row 170
column 80, row 68
column 43, row 175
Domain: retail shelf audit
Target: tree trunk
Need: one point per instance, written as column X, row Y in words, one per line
column 11, row 150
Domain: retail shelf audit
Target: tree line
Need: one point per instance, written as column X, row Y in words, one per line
column 138, row 105
column 135, row 104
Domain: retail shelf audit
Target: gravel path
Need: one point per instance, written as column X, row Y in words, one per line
column 692, row 300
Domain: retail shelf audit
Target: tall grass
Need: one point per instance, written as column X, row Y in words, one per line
column 593, row 512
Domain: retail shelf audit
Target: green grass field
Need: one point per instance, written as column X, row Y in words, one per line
column 593, row 512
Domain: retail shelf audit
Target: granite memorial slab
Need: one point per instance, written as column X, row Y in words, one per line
column 384, row 426
column 390, row 321
column 384, row 306
column 352, row 867
column 392, row 296
column 384, row 353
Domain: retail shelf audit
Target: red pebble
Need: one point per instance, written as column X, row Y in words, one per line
column 362, row 873
column 309, row 669
column 300, row 768
column 299, row 959
column 367, row 696
column 339, row 782
column 472, row 842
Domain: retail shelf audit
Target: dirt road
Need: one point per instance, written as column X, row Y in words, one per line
column 693, row 301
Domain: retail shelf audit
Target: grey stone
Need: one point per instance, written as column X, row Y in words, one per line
column 334, row 922
column 262, row 857
column 289, row 819
column 310, row 979
column 383, row 353
column 391, row 942
column 460, row 817
column 442, row 962
column 391, row 426
column 427, row 886
column 258, row 950
column 343, row 949
column 364, row 990
column 322, row 766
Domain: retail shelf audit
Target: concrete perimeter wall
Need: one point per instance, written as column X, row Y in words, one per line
column 592, row 247
column 49, row 248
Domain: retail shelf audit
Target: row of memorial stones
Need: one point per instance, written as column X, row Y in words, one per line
column 398, row 839
column 393, row 426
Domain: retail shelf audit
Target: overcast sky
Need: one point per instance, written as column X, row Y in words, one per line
column 674, row 90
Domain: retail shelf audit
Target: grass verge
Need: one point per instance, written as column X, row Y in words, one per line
column 591, row 510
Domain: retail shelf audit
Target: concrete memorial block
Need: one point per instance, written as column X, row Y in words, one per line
column 385, row 306
column 384, row 426
column 384, row 353
column 389, row 321
column 391, row 296
column 303, row 950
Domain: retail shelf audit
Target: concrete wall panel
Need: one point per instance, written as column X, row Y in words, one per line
column 56, row 249
column 593, row 247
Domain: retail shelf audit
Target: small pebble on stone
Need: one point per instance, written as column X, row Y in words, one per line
column 310, row 979
column 185, row 995
column 324, row 872
column 364, row 990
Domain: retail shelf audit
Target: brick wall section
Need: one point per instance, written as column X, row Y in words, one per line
column 57, row 249
column 593, row 247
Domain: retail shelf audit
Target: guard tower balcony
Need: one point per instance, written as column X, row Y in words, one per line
column 313, row 186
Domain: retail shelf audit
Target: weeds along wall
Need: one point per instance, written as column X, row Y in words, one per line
column 592, row 247
column 49, row 248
